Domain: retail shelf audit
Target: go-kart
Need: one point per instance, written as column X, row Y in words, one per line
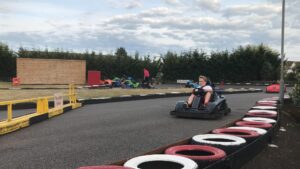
column 274, row 88
column 130, row 83
column 216, row 108
column 116, row 82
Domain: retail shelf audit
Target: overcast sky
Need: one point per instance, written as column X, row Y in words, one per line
column 148, row 26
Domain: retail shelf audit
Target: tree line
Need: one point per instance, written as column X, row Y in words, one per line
column 243, row 64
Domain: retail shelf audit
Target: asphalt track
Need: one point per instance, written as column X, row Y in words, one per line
column 105, row 133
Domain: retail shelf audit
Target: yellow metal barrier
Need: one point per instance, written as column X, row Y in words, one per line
column 42, row 108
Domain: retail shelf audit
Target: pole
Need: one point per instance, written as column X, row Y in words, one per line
column 281, row 95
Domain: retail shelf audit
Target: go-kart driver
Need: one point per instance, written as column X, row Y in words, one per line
column 207, row 89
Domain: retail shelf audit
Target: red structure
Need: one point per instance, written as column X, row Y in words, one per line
column 94, row 77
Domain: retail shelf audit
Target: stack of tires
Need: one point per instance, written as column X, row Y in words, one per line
column 227, row 147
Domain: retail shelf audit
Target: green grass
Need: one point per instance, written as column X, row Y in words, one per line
column 17, row 94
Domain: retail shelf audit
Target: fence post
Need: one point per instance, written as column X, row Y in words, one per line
column 39, row 106
column 72, row 94
column 42, row 105
column 46, row 105
column 9, row 112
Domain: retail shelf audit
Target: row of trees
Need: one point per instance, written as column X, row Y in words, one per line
column 249, row 63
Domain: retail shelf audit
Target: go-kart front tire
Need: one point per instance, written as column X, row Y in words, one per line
column 181, row 105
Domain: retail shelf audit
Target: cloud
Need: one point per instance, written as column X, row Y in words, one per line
column 133, row 4
column 257, row 9
column 172, row 2
column 163, row 26
column 159, row 12
column 211, row 5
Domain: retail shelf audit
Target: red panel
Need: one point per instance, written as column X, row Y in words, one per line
column 94, row 77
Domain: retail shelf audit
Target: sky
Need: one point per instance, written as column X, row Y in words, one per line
column 150, row 27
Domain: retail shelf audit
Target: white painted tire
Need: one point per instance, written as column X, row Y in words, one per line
column 259, row 119
column 265, row 107
column 267, row 101
column 204, row 138
column 258, row 130
column 264, row 111
column 185, row 162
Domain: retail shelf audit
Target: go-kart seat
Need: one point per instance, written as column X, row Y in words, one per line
column 198, row 100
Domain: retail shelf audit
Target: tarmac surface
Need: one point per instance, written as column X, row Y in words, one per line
column 105, row 133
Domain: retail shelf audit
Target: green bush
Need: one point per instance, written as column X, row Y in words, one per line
column 295, row 95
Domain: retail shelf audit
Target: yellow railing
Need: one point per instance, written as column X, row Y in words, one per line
column 42, row 103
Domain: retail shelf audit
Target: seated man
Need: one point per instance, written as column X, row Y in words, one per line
column 207, row 89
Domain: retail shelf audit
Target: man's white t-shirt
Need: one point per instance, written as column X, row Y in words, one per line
column 207, row 88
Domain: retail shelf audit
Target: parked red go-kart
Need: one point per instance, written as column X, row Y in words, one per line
column 274, row 88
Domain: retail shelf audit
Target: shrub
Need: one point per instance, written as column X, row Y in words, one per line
column 295, row 95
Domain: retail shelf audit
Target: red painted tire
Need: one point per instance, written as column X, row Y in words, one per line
column 254, row 124
column 261, row 114
column 201, row 154
column 104, row 167
column 246, row 134
column 210, row 153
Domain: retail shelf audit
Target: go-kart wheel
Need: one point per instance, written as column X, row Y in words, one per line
column 228, row 143
column 203, row 155
column 180, row 105
column 162, row 161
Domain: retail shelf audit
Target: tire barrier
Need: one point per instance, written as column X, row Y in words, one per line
column 264, row 108
column 255, row 124
column 161, row 161
column 265, row 111
column 267, row 102
column 258, row 130
column 261, row 114
column 248, row 135
column 228, row 143
column 104, row 167
column 202, row 155
column 259, row 119
column 276, row 101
